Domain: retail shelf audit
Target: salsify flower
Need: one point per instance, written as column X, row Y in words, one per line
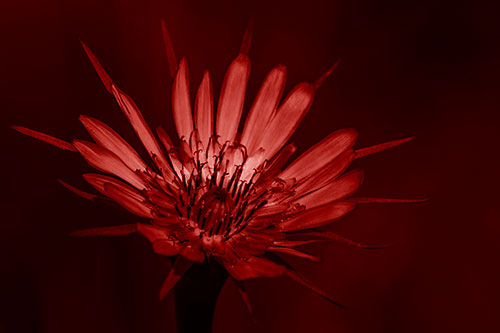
column 220, row 194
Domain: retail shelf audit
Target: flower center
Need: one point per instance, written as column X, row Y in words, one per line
column 213, row 194
column 216, row 206
column 220, row 192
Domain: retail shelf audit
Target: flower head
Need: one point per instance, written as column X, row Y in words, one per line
column 219, row 193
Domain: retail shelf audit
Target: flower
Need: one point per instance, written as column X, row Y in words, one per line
column 222, row 194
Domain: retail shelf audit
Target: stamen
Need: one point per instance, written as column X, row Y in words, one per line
column 239, row 222
column 219, row 225
column 232, row 180
column 221, row 182
column 199, row 215
column 204, row 222
column 239, row 194
column 260, row 196
column 238, row 176
column 255, row 209
column 178, row 211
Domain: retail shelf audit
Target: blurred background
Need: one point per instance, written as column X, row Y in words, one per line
column 425, row 68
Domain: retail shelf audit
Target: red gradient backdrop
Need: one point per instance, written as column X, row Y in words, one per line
column 427, row 68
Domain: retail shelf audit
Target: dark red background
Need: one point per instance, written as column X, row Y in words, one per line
column 425, row 68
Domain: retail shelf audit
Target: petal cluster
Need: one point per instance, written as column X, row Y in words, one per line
column 220, row 193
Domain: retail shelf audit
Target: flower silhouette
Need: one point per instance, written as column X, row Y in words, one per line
column 220, row 194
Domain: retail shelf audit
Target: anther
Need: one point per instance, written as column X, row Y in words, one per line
column 254, row 209
column 239, row 194
column 221, row 182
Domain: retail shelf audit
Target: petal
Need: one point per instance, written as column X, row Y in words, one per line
column 325, row 75
column 154, row 233
column 125, row 195
column 287, row 118
column 330, row 236
column 263, row 108
column 118, row 230
column 98, row 181
column 293, row 243
column 172, row 61
column 320, row 154
column 303, row 281
column 380, row 147
column 242, row 290
column 339, row 189
column 127, row 200
column 327, row 174
column 387, row 200
column 252, row 163
column 278, row 161
column 293, row 252
column 45, row 138
column 77, row 191
column 109, row 139
column 232, row 98
column 132, row 112
column 317, row 217
column 167, row 143
column 106, row 80
column 141, row 128
column 254, row 267
column 192, row 251
column 104, row 160
column 247, row 37
column 181, row 266
column 165, row 248
column 186, row 155
column 181, row 103
column 204, row 110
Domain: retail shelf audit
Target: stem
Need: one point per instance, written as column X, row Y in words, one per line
column 196, row 295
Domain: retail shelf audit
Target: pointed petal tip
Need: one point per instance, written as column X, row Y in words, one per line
column 363, row 200
column 169, row 49
column 61, row 144
column 82, row 43
column 88, row 196
column 105, row 78
column 352, row 132
column 84, row 119
column 341, row 239
column 181, row 265
column 378, row 247
column 162, row 294
column 183, row 62
column 119, row 230
column 19, row 129
column 247, row 37
column 381, row 147
column 294, row 275
column 319, row 81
